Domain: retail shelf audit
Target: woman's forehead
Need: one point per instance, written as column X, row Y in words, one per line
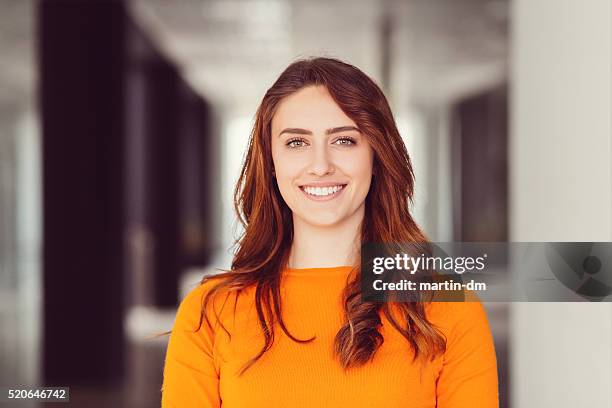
column 309, row 108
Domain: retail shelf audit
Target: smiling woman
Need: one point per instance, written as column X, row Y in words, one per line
column 326, row 170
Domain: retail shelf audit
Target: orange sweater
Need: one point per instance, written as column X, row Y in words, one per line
column 200, row 367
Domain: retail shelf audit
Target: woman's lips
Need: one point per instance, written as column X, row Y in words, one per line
column 324, row 197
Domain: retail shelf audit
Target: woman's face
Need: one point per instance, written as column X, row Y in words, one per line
column 323, row 163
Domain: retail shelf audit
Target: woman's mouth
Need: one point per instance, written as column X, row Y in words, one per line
column 322, row 193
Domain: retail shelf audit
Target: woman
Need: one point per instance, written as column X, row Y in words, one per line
column 326, row 170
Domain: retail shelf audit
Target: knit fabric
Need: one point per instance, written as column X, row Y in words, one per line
column 201, row 366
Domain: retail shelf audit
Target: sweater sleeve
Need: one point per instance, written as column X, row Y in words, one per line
column 468, row 377
column 190, row 377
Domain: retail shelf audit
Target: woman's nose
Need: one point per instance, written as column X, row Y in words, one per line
column 321, row 163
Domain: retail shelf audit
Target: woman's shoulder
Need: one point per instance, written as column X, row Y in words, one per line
column 208, row 294
column 215, row 298
column 456, row 316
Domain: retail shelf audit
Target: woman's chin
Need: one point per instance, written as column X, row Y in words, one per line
column 322, row 220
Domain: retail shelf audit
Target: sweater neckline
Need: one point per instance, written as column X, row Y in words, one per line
column 321, row 271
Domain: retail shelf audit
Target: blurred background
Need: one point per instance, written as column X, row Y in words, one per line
column 123, row 125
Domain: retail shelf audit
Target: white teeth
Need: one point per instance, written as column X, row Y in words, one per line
column 322, row 191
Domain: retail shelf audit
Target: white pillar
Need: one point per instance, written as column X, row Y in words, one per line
column 560, row 190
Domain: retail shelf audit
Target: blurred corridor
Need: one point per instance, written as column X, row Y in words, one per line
column 123, row 126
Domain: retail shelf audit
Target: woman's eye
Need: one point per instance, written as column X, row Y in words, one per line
column 295, row 143
column 347, row 141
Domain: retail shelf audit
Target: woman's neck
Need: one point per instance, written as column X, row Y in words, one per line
column 326, row 246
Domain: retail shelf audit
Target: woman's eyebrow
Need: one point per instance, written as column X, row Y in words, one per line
column 327, row 132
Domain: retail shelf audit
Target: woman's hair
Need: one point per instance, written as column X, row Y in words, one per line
column 263, row 248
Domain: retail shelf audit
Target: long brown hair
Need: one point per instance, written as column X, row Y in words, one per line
column 263, row 248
